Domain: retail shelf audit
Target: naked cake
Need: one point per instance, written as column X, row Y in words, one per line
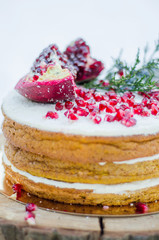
column 81, row 145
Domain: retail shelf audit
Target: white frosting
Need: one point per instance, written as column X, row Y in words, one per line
column 135, row 160
column 32, row 114
column 96, row 188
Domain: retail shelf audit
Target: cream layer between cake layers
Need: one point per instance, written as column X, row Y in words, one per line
column 97, row 188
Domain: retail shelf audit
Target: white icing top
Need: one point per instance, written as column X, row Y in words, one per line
column 96, row 188
column 32, row 114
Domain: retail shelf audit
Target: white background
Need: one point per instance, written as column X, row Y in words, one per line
column 28, row 26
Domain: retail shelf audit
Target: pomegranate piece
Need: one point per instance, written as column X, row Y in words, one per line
column 87, row 67
column 141, row 208
column 52, row 115
column 48, row 56
column 17, row 188
column 56, row 84
column 30, row 207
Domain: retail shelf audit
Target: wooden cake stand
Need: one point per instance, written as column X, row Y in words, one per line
column 58, row 226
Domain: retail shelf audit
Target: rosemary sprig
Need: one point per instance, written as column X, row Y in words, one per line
column 134, row 78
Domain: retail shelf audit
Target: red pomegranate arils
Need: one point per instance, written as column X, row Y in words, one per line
column 68, row 105
column 30, row 218
column 121, row 73
column 82, row 112
column 128, row 122
column 119, row 115
column 154, row 109
column 97, row 119
column 58, row 106
column 97, row 97
column 80, row 102
column 141, row 208
column 108, row 118
column 91, row 108
column 17, row 188
column 30, row 207
column 52, row 115
column 113, row 102
column 110, row 109
column 72, row 116
column 102, row 106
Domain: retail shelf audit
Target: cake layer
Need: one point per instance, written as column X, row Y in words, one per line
column 89, row 194
column 68, row 171
column 79, row 148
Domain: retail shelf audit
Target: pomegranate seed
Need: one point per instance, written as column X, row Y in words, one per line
column 119, row 115
column 124, row 98
column 144, row 101
column 91, row 108
column 58, row 106
column 128, row 122
column 154, row 109
column 30, row 218
column 109, row 118
column 97, row 97
column 80, row 102
column 82, row 112
column 66, row 113
column 121, row 73
column 30, row 207
column 52, row 115
column 35, row 77
column 110, row 109
column 72, row 116
column 145, row 114
column 102, row 106
column 87, row 96
column 113, row 102
column 112, row 95
column 105, row 84
column 68, row 105
column 97, row 119
column 124, row 107
column 138, row 110
column 105, row 98
column 17, row 188
column 141, row 208
column 128, row 114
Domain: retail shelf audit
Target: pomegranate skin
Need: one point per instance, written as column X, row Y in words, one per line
column 47, row 91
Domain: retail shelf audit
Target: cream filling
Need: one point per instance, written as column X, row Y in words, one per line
column 96, row 188
column 135, row 160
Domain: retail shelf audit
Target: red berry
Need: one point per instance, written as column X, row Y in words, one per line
column 141, row 208
column 52, row 115
column 58, row 106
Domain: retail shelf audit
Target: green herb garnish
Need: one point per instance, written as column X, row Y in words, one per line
column 137, row 77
